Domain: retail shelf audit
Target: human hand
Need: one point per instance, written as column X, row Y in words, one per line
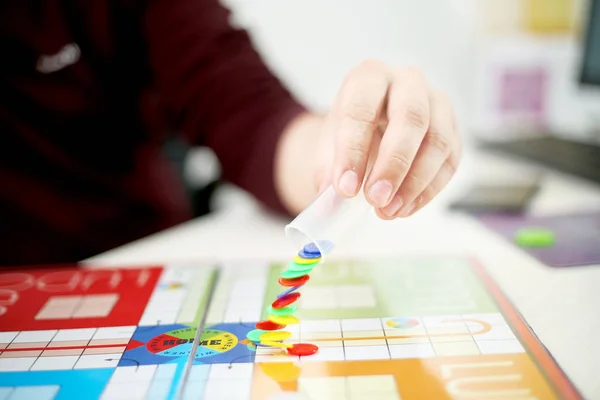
column 389, row 127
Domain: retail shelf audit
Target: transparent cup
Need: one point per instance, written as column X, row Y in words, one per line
column 328, row 221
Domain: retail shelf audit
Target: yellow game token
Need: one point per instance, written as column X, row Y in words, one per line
column 287, row 320
column 277, row 344
column 306, row 261
column 275, row 336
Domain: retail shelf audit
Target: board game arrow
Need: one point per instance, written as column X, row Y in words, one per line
column 133, row 344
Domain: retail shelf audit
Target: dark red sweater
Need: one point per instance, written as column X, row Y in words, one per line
column 88, row 90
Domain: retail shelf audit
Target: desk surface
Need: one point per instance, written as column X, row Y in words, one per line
column 561, row 305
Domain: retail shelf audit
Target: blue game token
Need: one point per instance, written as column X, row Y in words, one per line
column 309, row 256
column 312, row 248
column 290, row 290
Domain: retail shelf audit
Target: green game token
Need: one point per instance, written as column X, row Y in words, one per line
column 535, row 237
column 284, row 311
column 293, row 274
column 254, row 335
column 306, row 268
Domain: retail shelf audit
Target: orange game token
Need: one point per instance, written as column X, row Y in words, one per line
column 302, row 349
column 286, row 300
column 294, row 282
column 269, row 326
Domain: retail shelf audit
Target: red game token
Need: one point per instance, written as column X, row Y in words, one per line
column 294, row 282
column 268, row 325
column 302, row 349
column 285, row 300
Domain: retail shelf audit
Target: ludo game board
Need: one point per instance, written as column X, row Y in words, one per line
column 406, row 328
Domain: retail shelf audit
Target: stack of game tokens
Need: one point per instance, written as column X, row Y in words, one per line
column 281, row 312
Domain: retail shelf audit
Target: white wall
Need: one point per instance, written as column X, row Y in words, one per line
column 312, row 44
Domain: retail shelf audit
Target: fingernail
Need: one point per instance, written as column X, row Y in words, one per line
column 348, row 183
column 410, row 208
column 391, row 209
column 380, row 193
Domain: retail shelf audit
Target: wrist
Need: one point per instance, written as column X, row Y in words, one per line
column 297, row 162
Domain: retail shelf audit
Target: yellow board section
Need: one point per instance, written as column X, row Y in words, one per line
column 287, row 320
column 306, row 261
column 549, row 16
column 275, row 336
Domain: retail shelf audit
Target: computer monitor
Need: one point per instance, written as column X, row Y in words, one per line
column 589, row 75
column 590, row 62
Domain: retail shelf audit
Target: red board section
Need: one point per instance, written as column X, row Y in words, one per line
column 133, row 344
column 71, row 297
column 165, row 342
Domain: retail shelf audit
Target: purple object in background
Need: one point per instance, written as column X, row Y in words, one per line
column 523, row 92
column 577, row 236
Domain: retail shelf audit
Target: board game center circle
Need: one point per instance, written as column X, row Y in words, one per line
column 179, row 342
column 402, row 322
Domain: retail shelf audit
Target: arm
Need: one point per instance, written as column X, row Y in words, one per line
column 219, row 91
column 387, row 129
column 297, row 172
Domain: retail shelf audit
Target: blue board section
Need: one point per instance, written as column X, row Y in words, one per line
column 151, row 351
column 233, row 346
column 82, row 384
column 220, row 343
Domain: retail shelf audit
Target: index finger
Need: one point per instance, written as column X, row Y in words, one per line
column 409, row 115
column 356, row 116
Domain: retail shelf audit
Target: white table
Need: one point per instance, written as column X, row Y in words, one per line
column 562, row 305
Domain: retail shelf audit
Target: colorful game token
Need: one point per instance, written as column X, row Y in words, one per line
column 287, row 274
column 294, row 282
column 284, row 311
column 278, row 344
column 268, row 326
column 308, row 256
column 287, row 320
column 302, row 349
column 255, row 334
column 294, row 267
column 275, row 336
column 306, row 261
column 312, row 248
column 286, row 300
column 535, row 237
column 290, row 290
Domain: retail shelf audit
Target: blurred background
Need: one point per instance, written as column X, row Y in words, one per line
column 514, row 68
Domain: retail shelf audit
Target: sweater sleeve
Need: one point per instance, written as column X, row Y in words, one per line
column 219, row 91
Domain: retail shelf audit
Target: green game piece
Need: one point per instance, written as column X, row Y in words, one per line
column 306, row 268
column 283, row 311
column 293, row 274
column 535, row 237
column 254, row 335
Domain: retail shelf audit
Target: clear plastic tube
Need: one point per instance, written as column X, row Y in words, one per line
column 327, row 221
